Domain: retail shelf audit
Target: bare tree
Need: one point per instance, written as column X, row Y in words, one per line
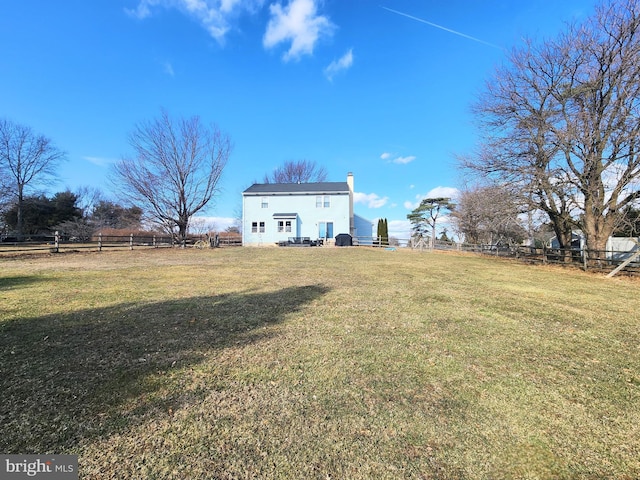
column 562, row 122
column 516, row 114
column 427, row 214
column 600, row 127
column 488, row 214
column 299, row 171
column 88, row 198
column 175, row 170
column 26, row 159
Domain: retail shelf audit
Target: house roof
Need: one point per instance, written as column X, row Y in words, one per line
column 302, row 188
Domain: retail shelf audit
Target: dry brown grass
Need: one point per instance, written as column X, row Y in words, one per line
column 319, row 363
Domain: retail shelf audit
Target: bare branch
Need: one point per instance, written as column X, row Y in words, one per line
column 299, row 171
column 562, row 122
column 176, row 168
column 26, row 159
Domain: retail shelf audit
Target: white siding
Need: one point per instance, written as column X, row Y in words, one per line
column 306, row 222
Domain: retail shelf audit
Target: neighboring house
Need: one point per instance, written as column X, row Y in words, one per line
column 274, row 212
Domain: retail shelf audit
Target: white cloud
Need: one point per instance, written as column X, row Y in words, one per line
column 400, row 229
column 404, row 160
column 143, row 10
column 337, row 66
column 443, row 192
column 228, row 5
column 100, row 161
column 213, row 15
column 298, row 23
column 371, row 200
column 168, row 69
column 438, row 192
column 399, row 160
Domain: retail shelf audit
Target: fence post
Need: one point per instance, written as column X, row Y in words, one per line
column 131, row 242
column 100, row 242
column 57, row 242
column 585, row 255
column 154, row 242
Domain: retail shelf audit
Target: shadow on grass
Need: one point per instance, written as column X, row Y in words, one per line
column 67, row 379
column 18, row 281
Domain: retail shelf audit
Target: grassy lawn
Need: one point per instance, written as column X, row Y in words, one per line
column 320, row 363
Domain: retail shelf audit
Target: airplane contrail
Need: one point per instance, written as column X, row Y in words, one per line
column 442, row 28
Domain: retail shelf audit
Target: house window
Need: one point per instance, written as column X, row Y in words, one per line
column 325, row 230
column 257, row 227
column 265, row 202
column 261, row 227
column 284, row 226
column 323, row 201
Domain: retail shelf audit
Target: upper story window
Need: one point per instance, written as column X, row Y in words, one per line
column 265, row 202
column 323, row 201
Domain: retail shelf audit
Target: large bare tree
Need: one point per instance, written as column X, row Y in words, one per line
column 27, row 159
column 562, row 121
column 297, row 171
column 175, row 170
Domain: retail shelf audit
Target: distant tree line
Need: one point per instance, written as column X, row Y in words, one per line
column 172, row 174
column 43, row 215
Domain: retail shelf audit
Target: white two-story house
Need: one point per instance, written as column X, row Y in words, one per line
column 274, row 212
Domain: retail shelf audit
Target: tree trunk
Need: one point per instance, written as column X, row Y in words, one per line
column 564, row 235
column 182, row 234
column 597, row 230
column 19, row 215
column 433, row 236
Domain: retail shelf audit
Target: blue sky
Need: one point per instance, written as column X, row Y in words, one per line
column 378, row 88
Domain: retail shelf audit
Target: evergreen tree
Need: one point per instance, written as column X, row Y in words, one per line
column 383, row 231
column 40, row 214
